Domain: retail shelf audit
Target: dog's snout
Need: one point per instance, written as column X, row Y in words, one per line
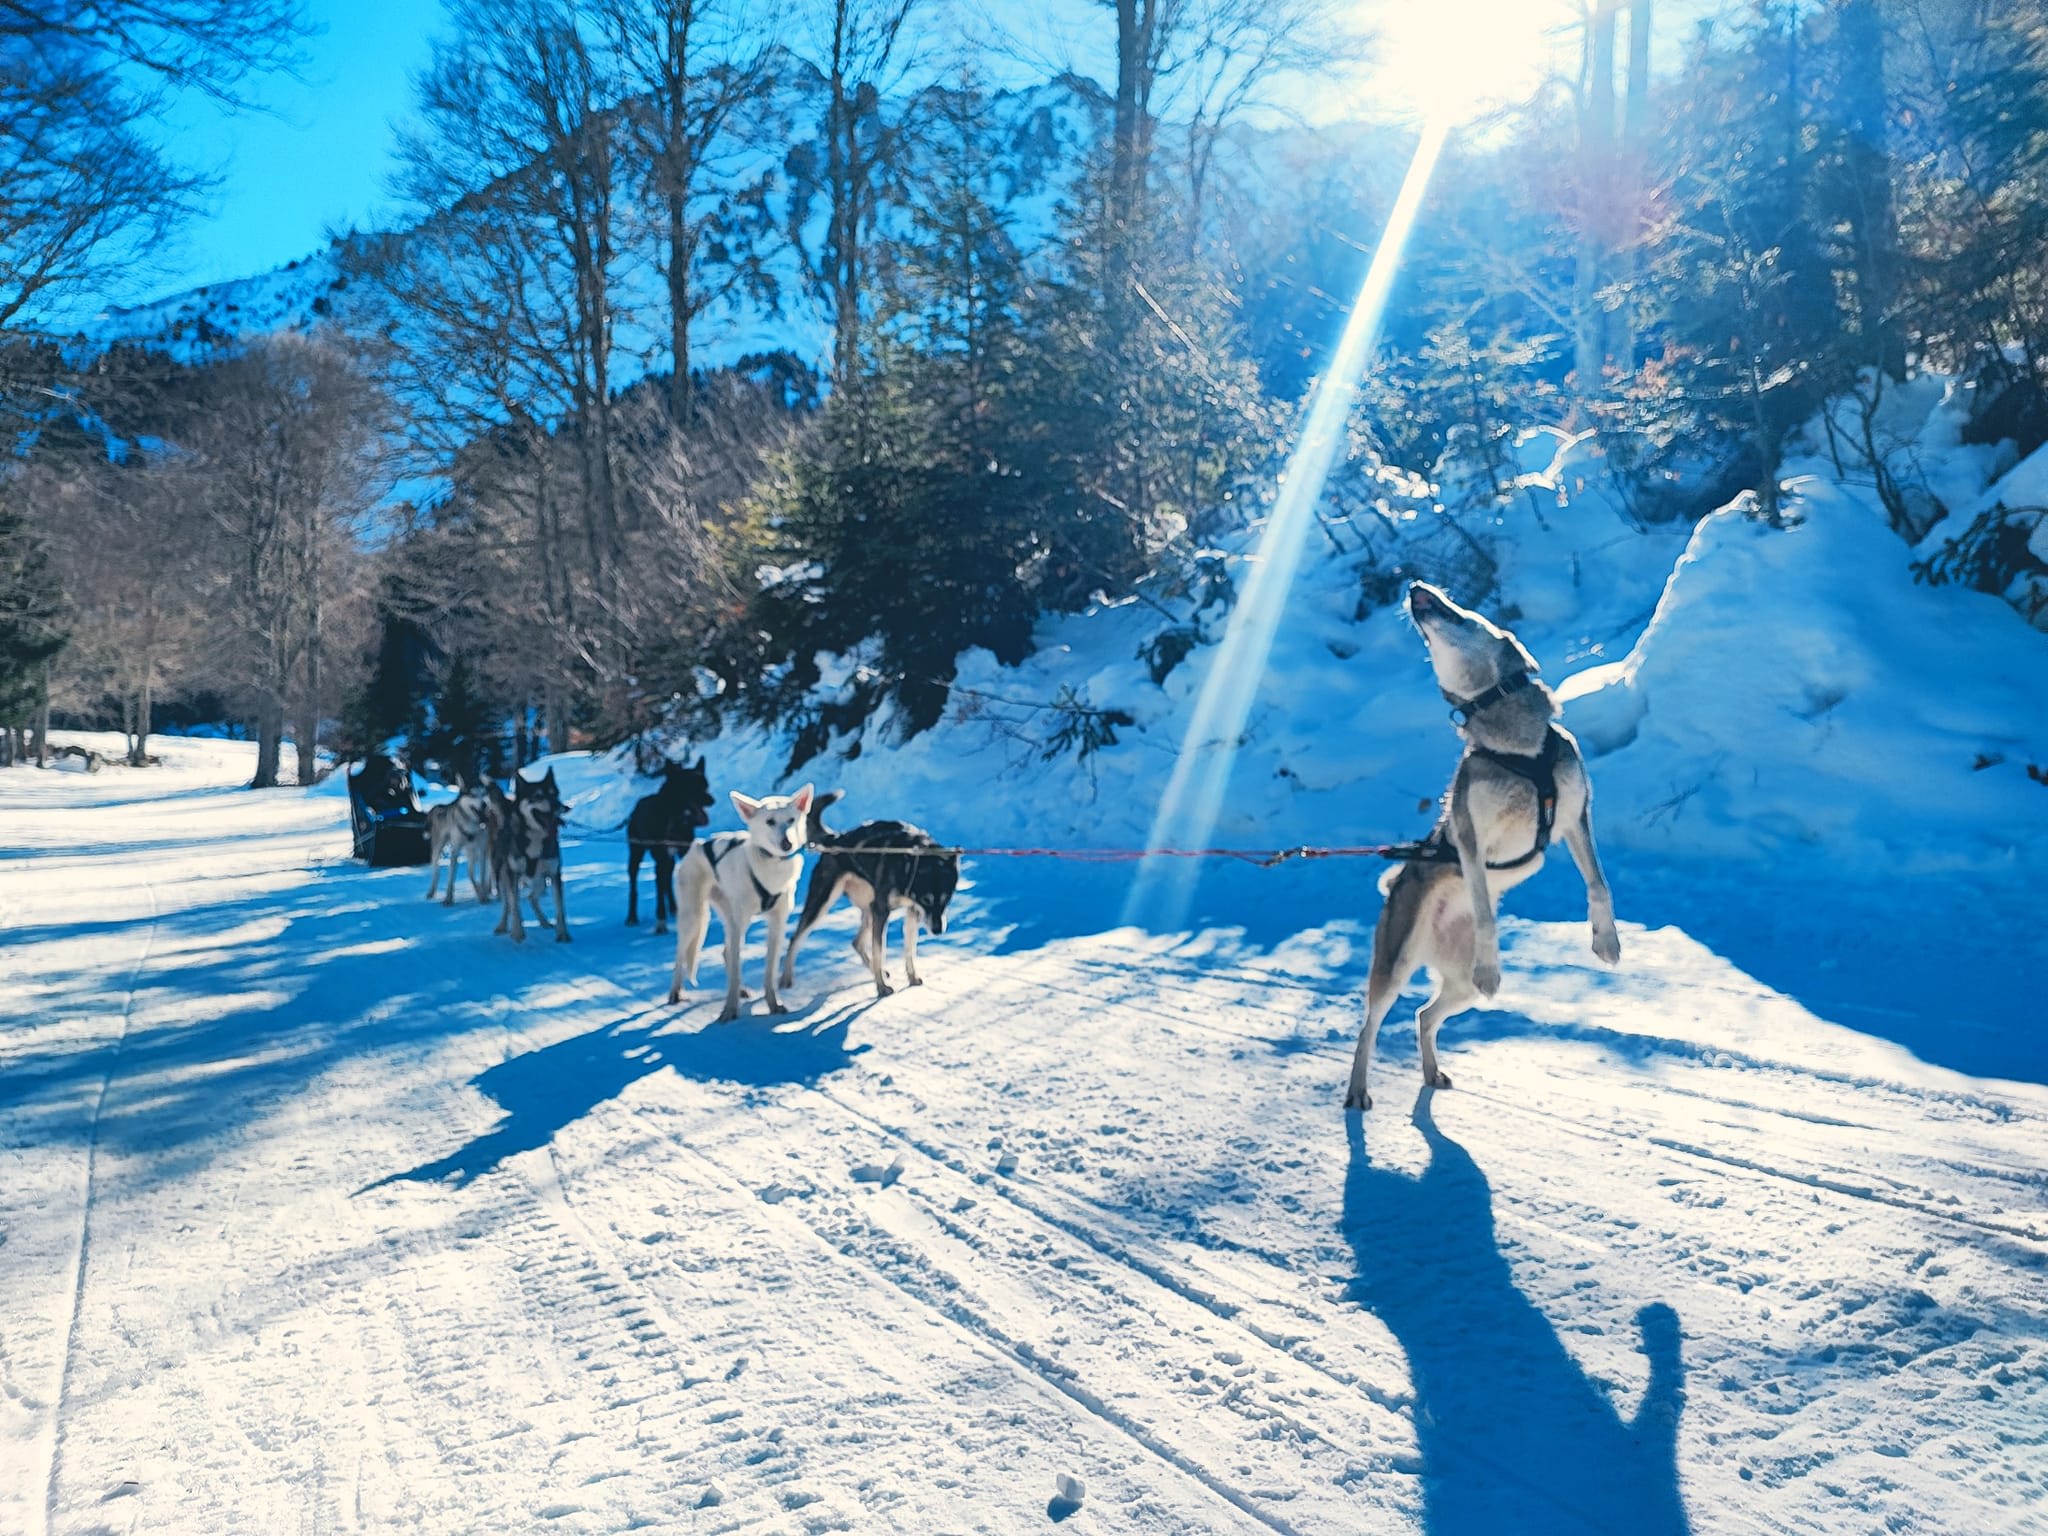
column 1420, row 599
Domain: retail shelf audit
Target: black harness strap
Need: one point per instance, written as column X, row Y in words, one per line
column 717, row 848
column 1540, row 769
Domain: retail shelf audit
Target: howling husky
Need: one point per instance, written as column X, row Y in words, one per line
column 744, row 875
column 1521, row 778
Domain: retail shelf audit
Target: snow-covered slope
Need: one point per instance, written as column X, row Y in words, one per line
column 322, row 1208
column 1747, row 692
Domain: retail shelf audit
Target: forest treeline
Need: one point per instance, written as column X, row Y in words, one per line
column 1020, row 350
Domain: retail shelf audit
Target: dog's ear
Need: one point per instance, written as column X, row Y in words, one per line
column 1522, row 655
column 802, row 798
column 746, row 805
column 700, row 764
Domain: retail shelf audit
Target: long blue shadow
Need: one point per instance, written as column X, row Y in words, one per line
column 543, row 1091
column 1512, row 1435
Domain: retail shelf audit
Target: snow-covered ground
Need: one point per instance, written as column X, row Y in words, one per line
column 323, row 1209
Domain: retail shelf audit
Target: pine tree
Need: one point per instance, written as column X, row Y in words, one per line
column 31, row 616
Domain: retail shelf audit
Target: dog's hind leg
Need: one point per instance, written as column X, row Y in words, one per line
column 561, row 909
column 634, row 852
column 664, row 882
column 692, row 901
column 817, row 899
column 434, row 885
column 1393, row 962
column 1454, row 994
column 910, row 947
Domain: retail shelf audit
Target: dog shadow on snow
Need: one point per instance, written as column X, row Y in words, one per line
column 1513, row 1436
column 543, row 1091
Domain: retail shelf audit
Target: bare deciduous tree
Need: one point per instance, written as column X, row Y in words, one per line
column 83, row 185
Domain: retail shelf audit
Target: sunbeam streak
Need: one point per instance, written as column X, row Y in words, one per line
column 1163, row 889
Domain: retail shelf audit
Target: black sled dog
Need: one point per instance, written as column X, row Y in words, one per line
column 665, row 824
column 919, row 884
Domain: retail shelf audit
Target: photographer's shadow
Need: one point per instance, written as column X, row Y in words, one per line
column 1513, row 1436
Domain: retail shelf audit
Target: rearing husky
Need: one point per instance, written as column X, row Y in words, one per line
column 1520, row 778
column 745, row 875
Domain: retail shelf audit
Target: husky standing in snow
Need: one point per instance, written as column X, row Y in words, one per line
column 1520, row 778
column 663, row 824
column 744, row 875
column 528, row 846
column 461, row 829
column 917, row 884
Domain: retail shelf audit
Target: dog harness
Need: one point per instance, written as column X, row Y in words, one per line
column 1462, row 710
column 718, row 847
column 1538, row 767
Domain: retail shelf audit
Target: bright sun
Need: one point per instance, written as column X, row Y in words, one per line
column 1454, row 59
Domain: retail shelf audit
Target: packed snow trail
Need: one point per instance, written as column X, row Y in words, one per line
column 386, row 1224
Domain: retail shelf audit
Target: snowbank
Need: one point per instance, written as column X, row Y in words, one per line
column 1747, row 692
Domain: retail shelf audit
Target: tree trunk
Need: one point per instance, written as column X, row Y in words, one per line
column 43, row 722
column 309, row 708
column 1872, row 208
column 138, row 753
column 1635, row 135
column 1596, row 199
column 269, row 734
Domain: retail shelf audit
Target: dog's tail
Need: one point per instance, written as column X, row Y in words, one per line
column 819, row 831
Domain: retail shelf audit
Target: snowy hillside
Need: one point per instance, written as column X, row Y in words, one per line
column 1786, row 695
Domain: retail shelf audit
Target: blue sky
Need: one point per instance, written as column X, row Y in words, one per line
column 315, row 155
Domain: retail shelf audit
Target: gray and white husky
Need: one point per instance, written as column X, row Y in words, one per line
column 527, row 845
column 461, row 829
column 744, row 875
column 1520, row 778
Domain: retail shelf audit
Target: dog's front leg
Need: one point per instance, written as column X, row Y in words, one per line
column 910, row 947
column 778, row 924
column 561, row 909
column 514, row 921
column 735, row 934
column 1472, row 869
column 876, row 922
column 1599, row 899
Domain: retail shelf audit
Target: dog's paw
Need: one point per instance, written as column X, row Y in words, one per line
column 1486, row 976
column 634, row 922
column 674, row 996
column 562, row 937
column 917, row 981
column 518, row 938
column 1438, row 1080
column 1607, row 945
column 727, row 1015
column 660, row 928
column 1357, row 1098
column 883, row 989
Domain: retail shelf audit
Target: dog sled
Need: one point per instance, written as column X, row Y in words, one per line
column 384, row 813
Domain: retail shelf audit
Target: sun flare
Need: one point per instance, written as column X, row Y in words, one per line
column 1456, row 59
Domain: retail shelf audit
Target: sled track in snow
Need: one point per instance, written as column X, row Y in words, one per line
column 82, row 1249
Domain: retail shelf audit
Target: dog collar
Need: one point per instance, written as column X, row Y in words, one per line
column 1463, row 710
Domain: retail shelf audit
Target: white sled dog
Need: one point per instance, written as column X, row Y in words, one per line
column 745, row 875
column 1520, row 778
column 462, row 830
